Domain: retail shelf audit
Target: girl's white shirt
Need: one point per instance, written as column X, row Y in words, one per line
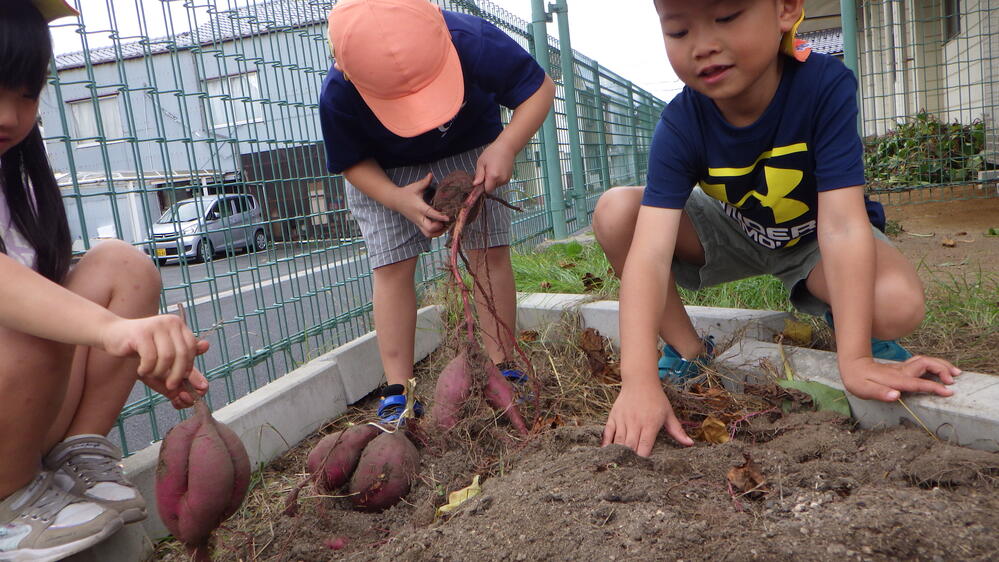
column 18, row 247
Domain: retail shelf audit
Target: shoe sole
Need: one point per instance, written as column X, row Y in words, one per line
column 63, row 550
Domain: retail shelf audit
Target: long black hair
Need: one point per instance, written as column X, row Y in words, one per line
column 25, row 51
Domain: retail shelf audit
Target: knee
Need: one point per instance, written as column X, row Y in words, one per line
column 615, row 209
column 128, row 267
column 900, row 314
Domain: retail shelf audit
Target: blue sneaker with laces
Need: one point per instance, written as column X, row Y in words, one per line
column 391, row 407
column 881, row 349
column 677, row 370
column 517, row 378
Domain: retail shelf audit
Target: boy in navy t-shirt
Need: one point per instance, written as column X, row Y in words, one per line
column 768, row 133
column 414, row 95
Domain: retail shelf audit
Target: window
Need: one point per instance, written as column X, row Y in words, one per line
column 951, row 18
column 88, row 113
column 234, row 100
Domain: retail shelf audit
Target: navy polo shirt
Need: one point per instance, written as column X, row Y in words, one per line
column 496, row 71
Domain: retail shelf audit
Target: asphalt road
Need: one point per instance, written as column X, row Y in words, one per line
column 244, row 303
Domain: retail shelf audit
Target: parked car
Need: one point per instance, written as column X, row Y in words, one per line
column 200, row 227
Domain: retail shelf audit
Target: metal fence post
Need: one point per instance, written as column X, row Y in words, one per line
column 571, row 114
column 549, row 136
column 848, row 11
column 601, row 128
column 632, row 120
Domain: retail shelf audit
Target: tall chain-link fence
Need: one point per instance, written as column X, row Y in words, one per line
column 929, row 71
column 191, row 130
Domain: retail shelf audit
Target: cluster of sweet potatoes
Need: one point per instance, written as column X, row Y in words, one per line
column 378, row 467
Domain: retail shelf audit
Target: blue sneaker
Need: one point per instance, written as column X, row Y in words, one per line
column 678, row 370
column 391, row 407
column 881, row 349
column 517, row 378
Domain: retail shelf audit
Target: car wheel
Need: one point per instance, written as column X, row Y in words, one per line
column 206, row 251
column 259, row 241
column 161, row 261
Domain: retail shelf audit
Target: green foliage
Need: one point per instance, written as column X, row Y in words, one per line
column 925, row 151
column 565, row 268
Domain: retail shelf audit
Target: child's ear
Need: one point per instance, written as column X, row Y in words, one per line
column 790, row 11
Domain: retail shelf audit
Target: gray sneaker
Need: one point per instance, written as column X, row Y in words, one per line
column 41, row 522
column 89, row 466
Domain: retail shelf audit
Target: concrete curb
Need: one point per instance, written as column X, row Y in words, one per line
column 968, row 418
column 270, row 421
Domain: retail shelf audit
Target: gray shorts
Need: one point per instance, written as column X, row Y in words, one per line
column 730, row 255
column 391, row 238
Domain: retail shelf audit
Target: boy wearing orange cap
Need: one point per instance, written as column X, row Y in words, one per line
column 768, row 132
column 414, row 94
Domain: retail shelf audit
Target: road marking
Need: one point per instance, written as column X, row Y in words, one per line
column 171, row 308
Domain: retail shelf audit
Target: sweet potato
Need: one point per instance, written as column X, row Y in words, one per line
column 334, row 458
column 383, row 476
column 451, row 194
column 501, row 396
column 453, row 387
column 202, row 476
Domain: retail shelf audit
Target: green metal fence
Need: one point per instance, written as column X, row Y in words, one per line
column 929, row 71
column 155, row 101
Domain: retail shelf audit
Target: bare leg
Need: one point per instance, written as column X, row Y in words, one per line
column 494, row 272
column 614, row 226
column 122, row 279
column 899, row 301
column 54, row 389
column 395, row 318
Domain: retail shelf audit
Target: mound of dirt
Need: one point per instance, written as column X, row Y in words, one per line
column 818, row 488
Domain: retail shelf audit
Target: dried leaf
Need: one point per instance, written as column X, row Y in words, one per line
column 529, row 336
column 601, row 366
column 546, row 285
column 798, row 333
column 748, row 478
column 456, row 498
column 567, row 264
column 949, row 242
column 592, row 282
column 962, row 233
column 546, row 423
column 713, row 431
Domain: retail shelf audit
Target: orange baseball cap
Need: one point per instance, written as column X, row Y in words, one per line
column 54, row 9
column 400, row 57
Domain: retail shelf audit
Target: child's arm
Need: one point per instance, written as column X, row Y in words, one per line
column 32, row 304
column 642, row 409
column 848, row 257
column 407, row 200
column 495, row 165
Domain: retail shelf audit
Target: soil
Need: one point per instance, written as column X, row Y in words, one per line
column 829, row 490
column 961, row 223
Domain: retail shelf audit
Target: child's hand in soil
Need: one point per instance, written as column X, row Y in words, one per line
column 638, row 414
column 165, row 347
column 870, row 380
column 411, row 204
column 494, row 167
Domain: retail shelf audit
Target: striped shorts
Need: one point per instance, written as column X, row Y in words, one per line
column 391, row 238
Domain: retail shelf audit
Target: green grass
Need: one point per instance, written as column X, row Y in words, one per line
column 962, row 310
column 561, row 268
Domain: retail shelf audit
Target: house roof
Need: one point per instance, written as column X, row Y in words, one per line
column 826, row 41
column 264, row 17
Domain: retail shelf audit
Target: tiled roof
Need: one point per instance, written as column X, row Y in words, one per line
column 827, row 41
column 275, row 15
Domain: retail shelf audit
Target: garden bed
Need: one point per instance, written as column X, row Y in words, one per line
column 830, row 490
